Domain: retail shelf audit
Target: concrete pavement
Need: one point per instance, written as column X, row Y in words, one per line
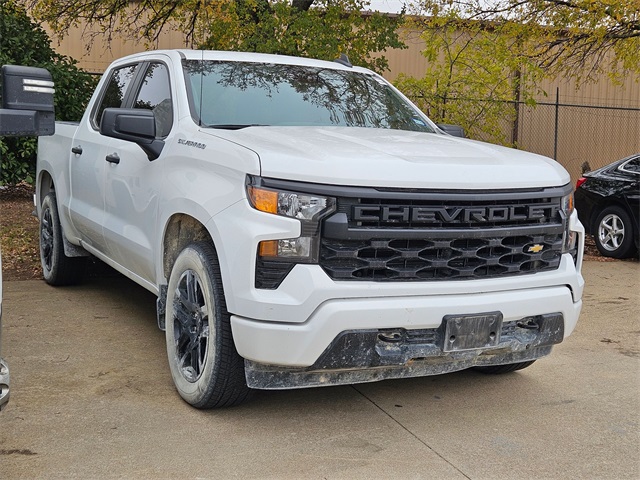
column 92, row 397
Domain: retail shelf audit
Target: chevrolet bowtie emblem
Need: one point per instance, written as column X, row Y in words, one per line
column 535, row 248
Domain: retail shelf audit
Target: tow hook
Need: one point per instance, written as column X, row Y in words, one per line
column 390, row 336
column 528, row 323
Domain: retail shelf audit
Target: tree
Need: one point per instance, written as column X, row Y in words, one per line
column 23, row 42
column 563, row 37
column 472, row 77
column 485, row 56
column 313, row 28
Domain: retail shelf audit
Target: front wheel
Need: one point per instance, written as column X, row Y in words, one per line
column 499, row 369
column 614, row 233
column 207, row 370
column 57, row 268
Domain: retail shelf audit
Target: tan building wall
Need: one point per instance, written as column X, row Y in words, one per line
column 596, row 136
column 95, row 55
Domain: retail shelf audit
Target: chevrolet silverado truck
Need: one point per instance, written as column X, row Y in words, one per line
column 303, row 224
column 27, row 110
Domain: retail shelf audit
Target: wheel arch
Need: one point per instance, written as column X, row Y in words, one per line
column 44, row 186
column 180, row 230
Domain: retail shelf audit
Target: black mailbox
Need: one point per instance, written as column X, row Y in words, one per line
column 27, row 102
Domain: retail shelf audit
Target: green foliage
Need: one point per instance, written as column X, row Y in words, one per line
column 486, row 54
column 309, row 28
column 472, row 78
column 323, row 31
column 23, row 42
column 578, row 38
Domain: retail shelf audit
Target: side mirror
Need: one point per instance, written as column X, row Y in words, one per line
column 133, row 125
column 453, row 130
column 27, row 102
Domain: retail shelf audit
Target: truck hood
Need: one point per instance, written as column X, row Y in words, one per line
column 392, row 158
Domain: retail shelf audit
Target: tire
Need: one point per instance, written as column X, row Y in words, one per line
column 614, row 233
column 500, row 369
column 57, row 268
column 207, row 370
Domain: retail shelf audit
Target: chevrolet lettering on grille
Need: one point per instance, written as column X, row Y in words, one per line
column 373, row 213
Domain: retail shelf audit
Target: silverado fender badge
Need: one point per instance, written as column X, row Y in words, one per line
column 189, row 143
column 535, row 248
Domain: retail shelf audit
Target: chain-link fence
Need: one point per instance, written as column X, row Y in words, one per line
column 580, row 137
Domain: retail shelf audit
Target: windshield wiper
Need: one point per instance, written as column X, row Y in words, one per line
column 235, row 126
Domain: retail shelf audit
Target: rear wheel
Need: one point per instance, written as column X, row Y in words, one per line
column 57, row 268
column 508, row 368
column 614, row 233
column 206, row 368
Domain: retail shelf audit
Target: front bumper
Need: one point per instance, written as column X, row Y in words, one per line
column 4, row 384
column 285, row 332
column 373, row 355
column 301, row 345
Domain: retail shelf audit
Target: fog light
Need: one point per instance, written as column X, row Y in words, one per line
column 287, row 248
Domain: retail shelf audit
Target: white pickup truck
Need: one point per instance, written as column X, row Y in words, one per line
column 303, row 224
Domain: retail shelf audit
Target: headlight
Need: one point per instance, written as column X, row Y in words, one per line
column 567, row 205
column 287, row 249
column 306, row 208
column 289, row 204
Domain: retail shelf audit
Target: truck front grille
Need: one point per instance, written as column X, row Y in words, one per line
column 450, row 259
column 443, row 235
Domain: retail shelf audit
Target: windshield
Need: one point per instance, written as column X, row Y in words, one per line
column 236, row 95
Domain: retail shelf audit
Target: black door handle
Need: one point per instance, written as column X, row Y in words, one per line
column 77, row 150
column 113, row 158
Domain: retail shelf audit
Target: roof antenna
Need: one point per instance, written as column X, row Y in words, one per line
column 344, row 60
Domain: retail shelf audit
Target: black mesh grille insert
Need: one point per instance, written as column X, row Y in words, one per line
column 489, row 257
column 431, row 239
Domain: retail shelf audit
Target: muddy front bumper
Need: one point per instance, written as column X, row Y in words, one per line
column 370, row 355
